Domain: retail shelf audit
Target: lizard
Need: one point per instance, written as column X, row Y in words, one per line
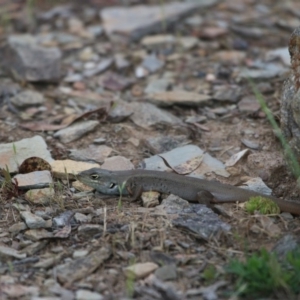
column 134, row 182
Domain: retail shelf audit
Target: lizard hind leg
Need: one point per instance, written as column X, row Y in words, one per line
column 206, row 198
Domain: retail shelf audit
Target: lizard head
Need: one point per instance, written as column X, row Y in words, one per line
column 102, row 180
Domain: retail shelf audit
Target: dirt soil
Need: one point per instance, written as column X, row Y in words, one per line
column 227, row 129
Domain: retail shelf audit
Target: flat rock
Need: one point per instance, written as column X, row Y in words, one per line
column 86, row 294
column 159, row 144
column 37, row 179
column 227, row 93
column 38, row 234
column 92, row 153
column 155, row 163
column 99, row 68
column 210, row 164
column 70, row 168
column 82, row 267
column 27, row 98
column 184, row 159
column 158, row 85
column 140, row 270
column 146, row 115
column 170, row 98
column 249, row 104
column 158, row 40
column 151, row 63
column 32, row 221
column 10, row 252
column 188, row 42
column 136, row 21
column 28, row 61
column 40, row 196
column 13, row 154
column 120, row 111
column 116, row 163
column 75, row 131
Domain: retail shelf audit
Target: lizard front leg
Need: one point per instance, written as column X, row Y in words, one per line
column 206, row 198
column 135, row 191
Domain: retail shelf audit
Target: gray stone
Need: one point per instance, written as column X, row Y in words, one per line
column 76, row 131
column 188, row 42
column 158, row 85
column 86, row 294
column 136, row 21
column 160, row 144
column 38, row 234
column 32, row 221
column 167, row 272
column 170, row 98
column 13, row 154
column 27, row 98
column 99, row 68
column 146, row 115
column 184, row 159
column 40, row 196
column 28, row 61
column 152, row 63
column 10, row 252
column 92, row 153
column 36, row 179
column 227, row 93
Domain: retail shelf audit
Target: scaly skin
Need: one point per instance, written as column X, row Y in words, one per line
column 134, row 182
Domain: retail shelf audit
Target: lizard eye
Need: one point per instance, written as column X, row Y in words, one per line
column 94, row 176
column 112, row 185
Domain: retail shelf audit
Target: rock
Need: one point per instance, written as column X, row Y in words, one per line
column 81, row 218
column 92, row 153
column 117, row 163
column 140, row 270
column 63, row 219
column 249, row 104
column 28, row 61
column 80, row 268
column 27, row 98
column 282, row 53
column 184, row 159
column 87, row 231
column 36, row 179
column 290, row 100
column 121, row 62
column 194, row 21
column 170, row 98
column 158, row 40
column 17, row 227
column 160, row 144
column 40, row 196
column 99, row 68
column 120, row 111
column 10, row 252
column 146, row 115
column 227, row 93
column 76, row 131
column 86, row 294
column 13, row 154
column 136, row 21
column 151, row 63
column 38, row 234
column 167, row 272
column 210, row 165
column 188, row 42
column 67, row 169
column 158, row 85
column 32, row 221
